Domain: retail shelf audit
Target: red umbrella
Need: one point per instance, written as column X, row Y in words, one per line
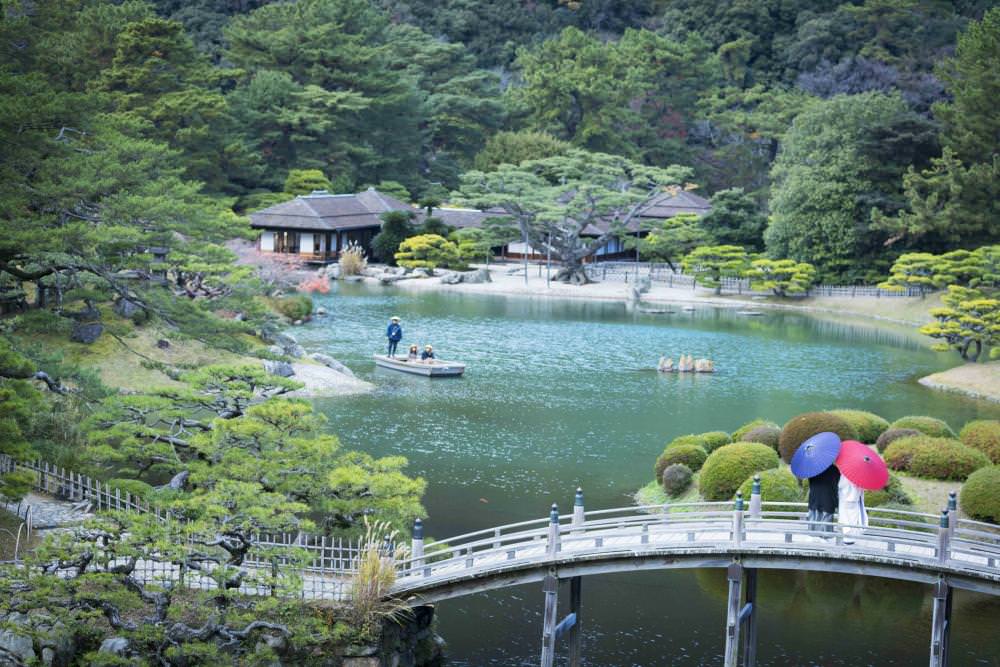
column 862, row 465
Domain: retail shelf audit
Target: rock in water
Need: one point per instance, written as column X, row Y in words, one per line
column 163, row 344
column 296, row 351
column 279, row 368
column 321, row 311
column 330, row 362
column 666, row 365
column 704, row 366
column 86, row 333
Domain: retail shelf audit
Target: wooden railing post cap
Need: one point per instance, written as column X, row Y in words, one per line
column 578, row 499
column 418, row 529
column 952, row 501
column 739, row 501
column 755, row 489
column 554, row 513
column 944, row 518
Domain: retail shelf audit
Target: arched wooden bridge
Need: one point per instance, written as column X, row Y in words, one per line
column 896, row 544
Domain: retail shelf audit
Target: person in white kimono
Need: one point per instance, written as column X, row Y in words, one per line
column 851, row 511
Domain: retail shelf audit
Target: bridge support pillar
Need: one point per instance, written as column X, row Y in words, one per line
column 941, row 624
column 575, row 636
column 550, row 586
column 749, row 618
column 734, row 574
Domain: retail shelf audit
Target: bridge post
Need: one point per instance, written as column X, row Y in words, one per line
column 749, row 614
column 575, row 636
column 734, row 574
column 952, row 513
column 941, row 624
column 755, row 498
column 944, row 533
column 578, row 515
column 417, row 546
column 552, row 547
column 550, row 586
column 738, row 520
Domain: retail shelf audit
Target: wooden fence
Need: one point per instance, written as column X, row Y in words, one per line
column 662, row 273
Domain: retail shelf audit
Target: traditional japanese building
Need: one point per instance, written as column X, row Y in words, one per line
column 318, row 226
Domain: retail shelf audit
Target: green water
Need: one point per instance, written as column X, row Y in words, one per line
column 562, row 393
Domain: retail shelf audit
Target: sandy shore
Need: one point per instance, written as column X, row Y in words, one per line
column 899, row 310
column 975, row 380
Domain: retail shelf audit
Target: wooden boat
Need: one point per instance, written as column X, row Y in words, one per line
column 428, row 368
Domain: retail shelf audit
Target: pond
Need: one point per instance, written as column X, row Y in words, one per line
column 561, row 393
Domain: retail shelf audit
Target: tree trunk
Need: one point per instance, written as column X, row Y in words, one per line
column 965, row 349
column 573, row 273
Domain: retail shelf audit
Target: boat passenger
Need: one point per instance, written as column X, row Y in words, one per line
column 428, row 353
column 414, row 353
column 394, row 333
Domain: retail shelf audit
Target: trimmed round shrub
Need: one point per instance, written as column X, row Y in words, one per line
column 868, row 424
column 714, row 439
column 948, row 460
column 692, row 456
column 685, row 440
column 892, row 435
column 776, row 485
column 900, row 451
column 935, row 428
column 937, row 458
column 730, row 465
column 891, row 493
column 676, row 479
column 980, row 495
column 294, row 307
column 765, row 435
column 984, row 435
column 740, row 433
column 802, row 427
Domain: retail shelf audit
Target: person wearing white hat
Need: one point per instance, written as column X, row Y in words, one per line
column 394, row 333
column 428, row 353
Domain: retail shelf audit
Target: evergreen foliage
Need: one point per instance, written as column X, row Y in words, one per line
column 980, row 495
column 730, row 465
column 710, row 264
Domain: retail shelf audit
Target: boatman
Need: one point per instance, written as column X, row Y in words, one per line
column 394, row 333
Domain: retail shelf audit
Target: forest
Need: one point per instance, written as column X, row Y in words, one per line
column 849, row 142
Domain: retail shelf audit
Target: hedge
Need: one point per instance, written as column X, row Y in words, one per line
column 892, row 493
column 802, row 427
column 984, row 435
column 765, row 435
column 730, row 465
column 676, row 479
column 683, row 440
column 776, row 485
column 935, row 428
column 868, row 424
column 894, row 434
column 739, row 433
column 980, row 495
column 937, row 458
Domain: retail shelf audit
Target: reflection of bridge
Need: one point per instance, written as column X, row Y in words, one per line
column 897, row 544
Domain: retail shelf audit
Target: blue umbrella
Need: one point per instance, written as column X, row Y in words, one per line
column 815, row 455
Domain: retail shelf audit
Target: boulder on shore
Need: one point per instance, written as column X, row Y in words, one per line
column 471, row 277
column 86, row 333
column 330, row 362
column 279, row 368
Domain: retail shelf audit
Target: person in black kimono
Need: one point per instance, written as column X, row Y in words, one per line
column 823, row 498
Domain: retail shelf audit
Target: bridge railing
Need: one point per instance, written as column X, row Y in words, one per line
column 905, row 535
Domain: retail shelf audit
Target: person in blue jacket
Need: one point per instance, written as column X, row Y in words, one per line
column 394, row 333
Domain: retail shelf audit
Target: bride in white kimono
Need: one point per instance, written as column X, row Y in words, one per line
column 851, row 511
